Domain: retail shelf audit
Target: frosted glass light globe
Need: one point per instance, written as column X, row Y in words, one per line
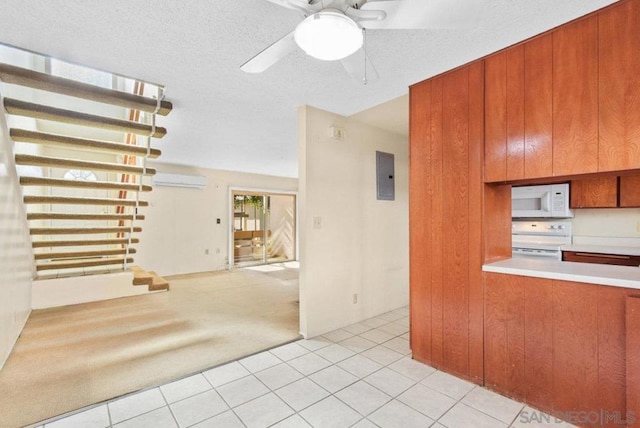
column 328, row 35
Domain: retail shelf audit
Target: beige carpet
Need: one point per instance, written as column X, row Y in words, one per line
column 77, row 355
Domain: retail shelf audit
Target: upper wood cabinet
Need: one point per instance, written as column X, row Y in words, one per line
column 575, row 97
column 606, row 192
column 518, row 105
column 630, row 191
column 567, row 102
column 538, row 102
column 601, row 192
column 619, row 87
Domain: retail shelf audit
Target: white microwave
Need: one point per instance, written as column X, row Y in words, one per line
column 545, row 201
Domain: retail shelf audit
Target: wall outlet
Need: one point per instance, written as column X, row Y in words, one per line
column 355, row 298
column 317, row 222
column 217, row 250
column 206, row 252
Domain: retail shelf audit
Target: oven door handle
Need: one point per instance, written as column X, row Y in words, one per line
column 536, row 253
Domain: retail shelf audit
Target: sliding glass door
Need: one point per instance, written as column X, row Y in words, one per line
column 263, row 228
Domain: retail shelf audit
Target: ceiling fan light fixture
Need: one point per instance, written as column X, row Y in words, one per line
column 328, row 35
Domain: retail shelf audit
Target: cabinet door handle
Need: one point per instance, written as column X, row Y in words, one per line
column 604, row 256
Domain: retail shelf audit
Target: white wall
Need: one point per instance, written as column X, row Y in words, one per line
column 614, row 222
column 16, row 259
column 180, row 224
column 362, row 246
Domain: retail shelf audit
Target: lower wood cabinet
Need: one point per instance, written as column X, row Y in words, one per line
column 560, row 346
column 633, row 358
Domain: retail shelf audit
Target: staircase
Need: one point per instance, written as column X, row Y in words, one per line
column 81, row 224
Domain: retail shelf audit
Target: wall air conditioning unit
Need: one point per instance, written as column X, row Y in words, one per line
column 180, row 180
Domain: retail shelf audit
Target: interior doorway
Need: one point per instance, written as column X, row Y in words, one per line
column 263, row 228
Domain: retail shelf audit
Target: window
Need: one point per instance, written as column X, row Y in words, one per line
column 79, row 73
column 80, row 175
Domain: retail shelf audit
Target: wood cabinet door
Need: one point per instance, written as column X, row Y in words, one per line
column 515, row 113
column 455, row 245
column 630, row 191
column 633, row 359
column 505, row 334
column 505, row 115
column 619, row 87
column 495, row 110
column 594, row 193
column 419, row 217
column 538, row 107
column 575, row 346
column 575, row 97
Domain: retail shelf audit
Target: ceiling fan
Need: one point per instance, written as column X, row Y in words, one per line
column 335, row 29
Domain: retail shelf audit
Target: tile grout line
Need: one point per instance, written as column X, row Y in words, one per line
column 175, row 419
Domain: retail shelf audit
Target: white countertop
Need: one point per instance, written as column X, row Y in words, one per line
column 603, row 249
column 616, row 276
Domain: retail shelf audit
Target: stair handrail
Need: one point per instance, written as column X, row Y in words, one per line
column 159, row 98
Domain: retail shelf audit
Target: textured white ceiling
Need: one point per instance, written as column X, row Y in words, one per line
column 226, row 119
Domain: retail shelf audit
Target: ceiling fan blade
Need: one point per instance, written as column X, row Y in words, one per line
column 356, row 64
column 425, row 14
column 270, row 55
column 300, row 5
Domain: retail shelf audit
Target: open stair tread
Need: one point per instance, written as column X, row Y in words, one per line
column 84, row 242
column 83, row 201
column 72, row 216
column 73, row 264
column 35, row 137
column 60, row 85
column 81, row 230
column 60, row 182
column 54, row 162
column 151, row 279
column 159, row 283
column 44, row 112
column 83, row 254
column 141, row 276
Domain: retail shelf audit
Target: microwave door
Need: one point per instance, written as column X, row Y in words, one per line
column 528, row 205
column 545, row 202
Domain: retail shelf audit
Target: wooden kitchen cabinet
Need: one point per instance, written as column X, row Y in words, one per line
column 538, row 102
column 495, row 138
column 630, row 191
column 518, row 105
column 575, row 97
column 619, row 87
column 559, row 345
column 504, row 105
column 600, row 192
column 606, row 192
column 446, row 200
column 633, row 357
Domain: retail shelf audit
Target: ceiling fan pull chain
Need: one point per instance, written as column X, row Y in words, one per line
column 364, row 47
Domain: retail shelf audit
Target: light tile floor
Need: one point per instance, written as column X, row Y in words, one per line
column 359, row 376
